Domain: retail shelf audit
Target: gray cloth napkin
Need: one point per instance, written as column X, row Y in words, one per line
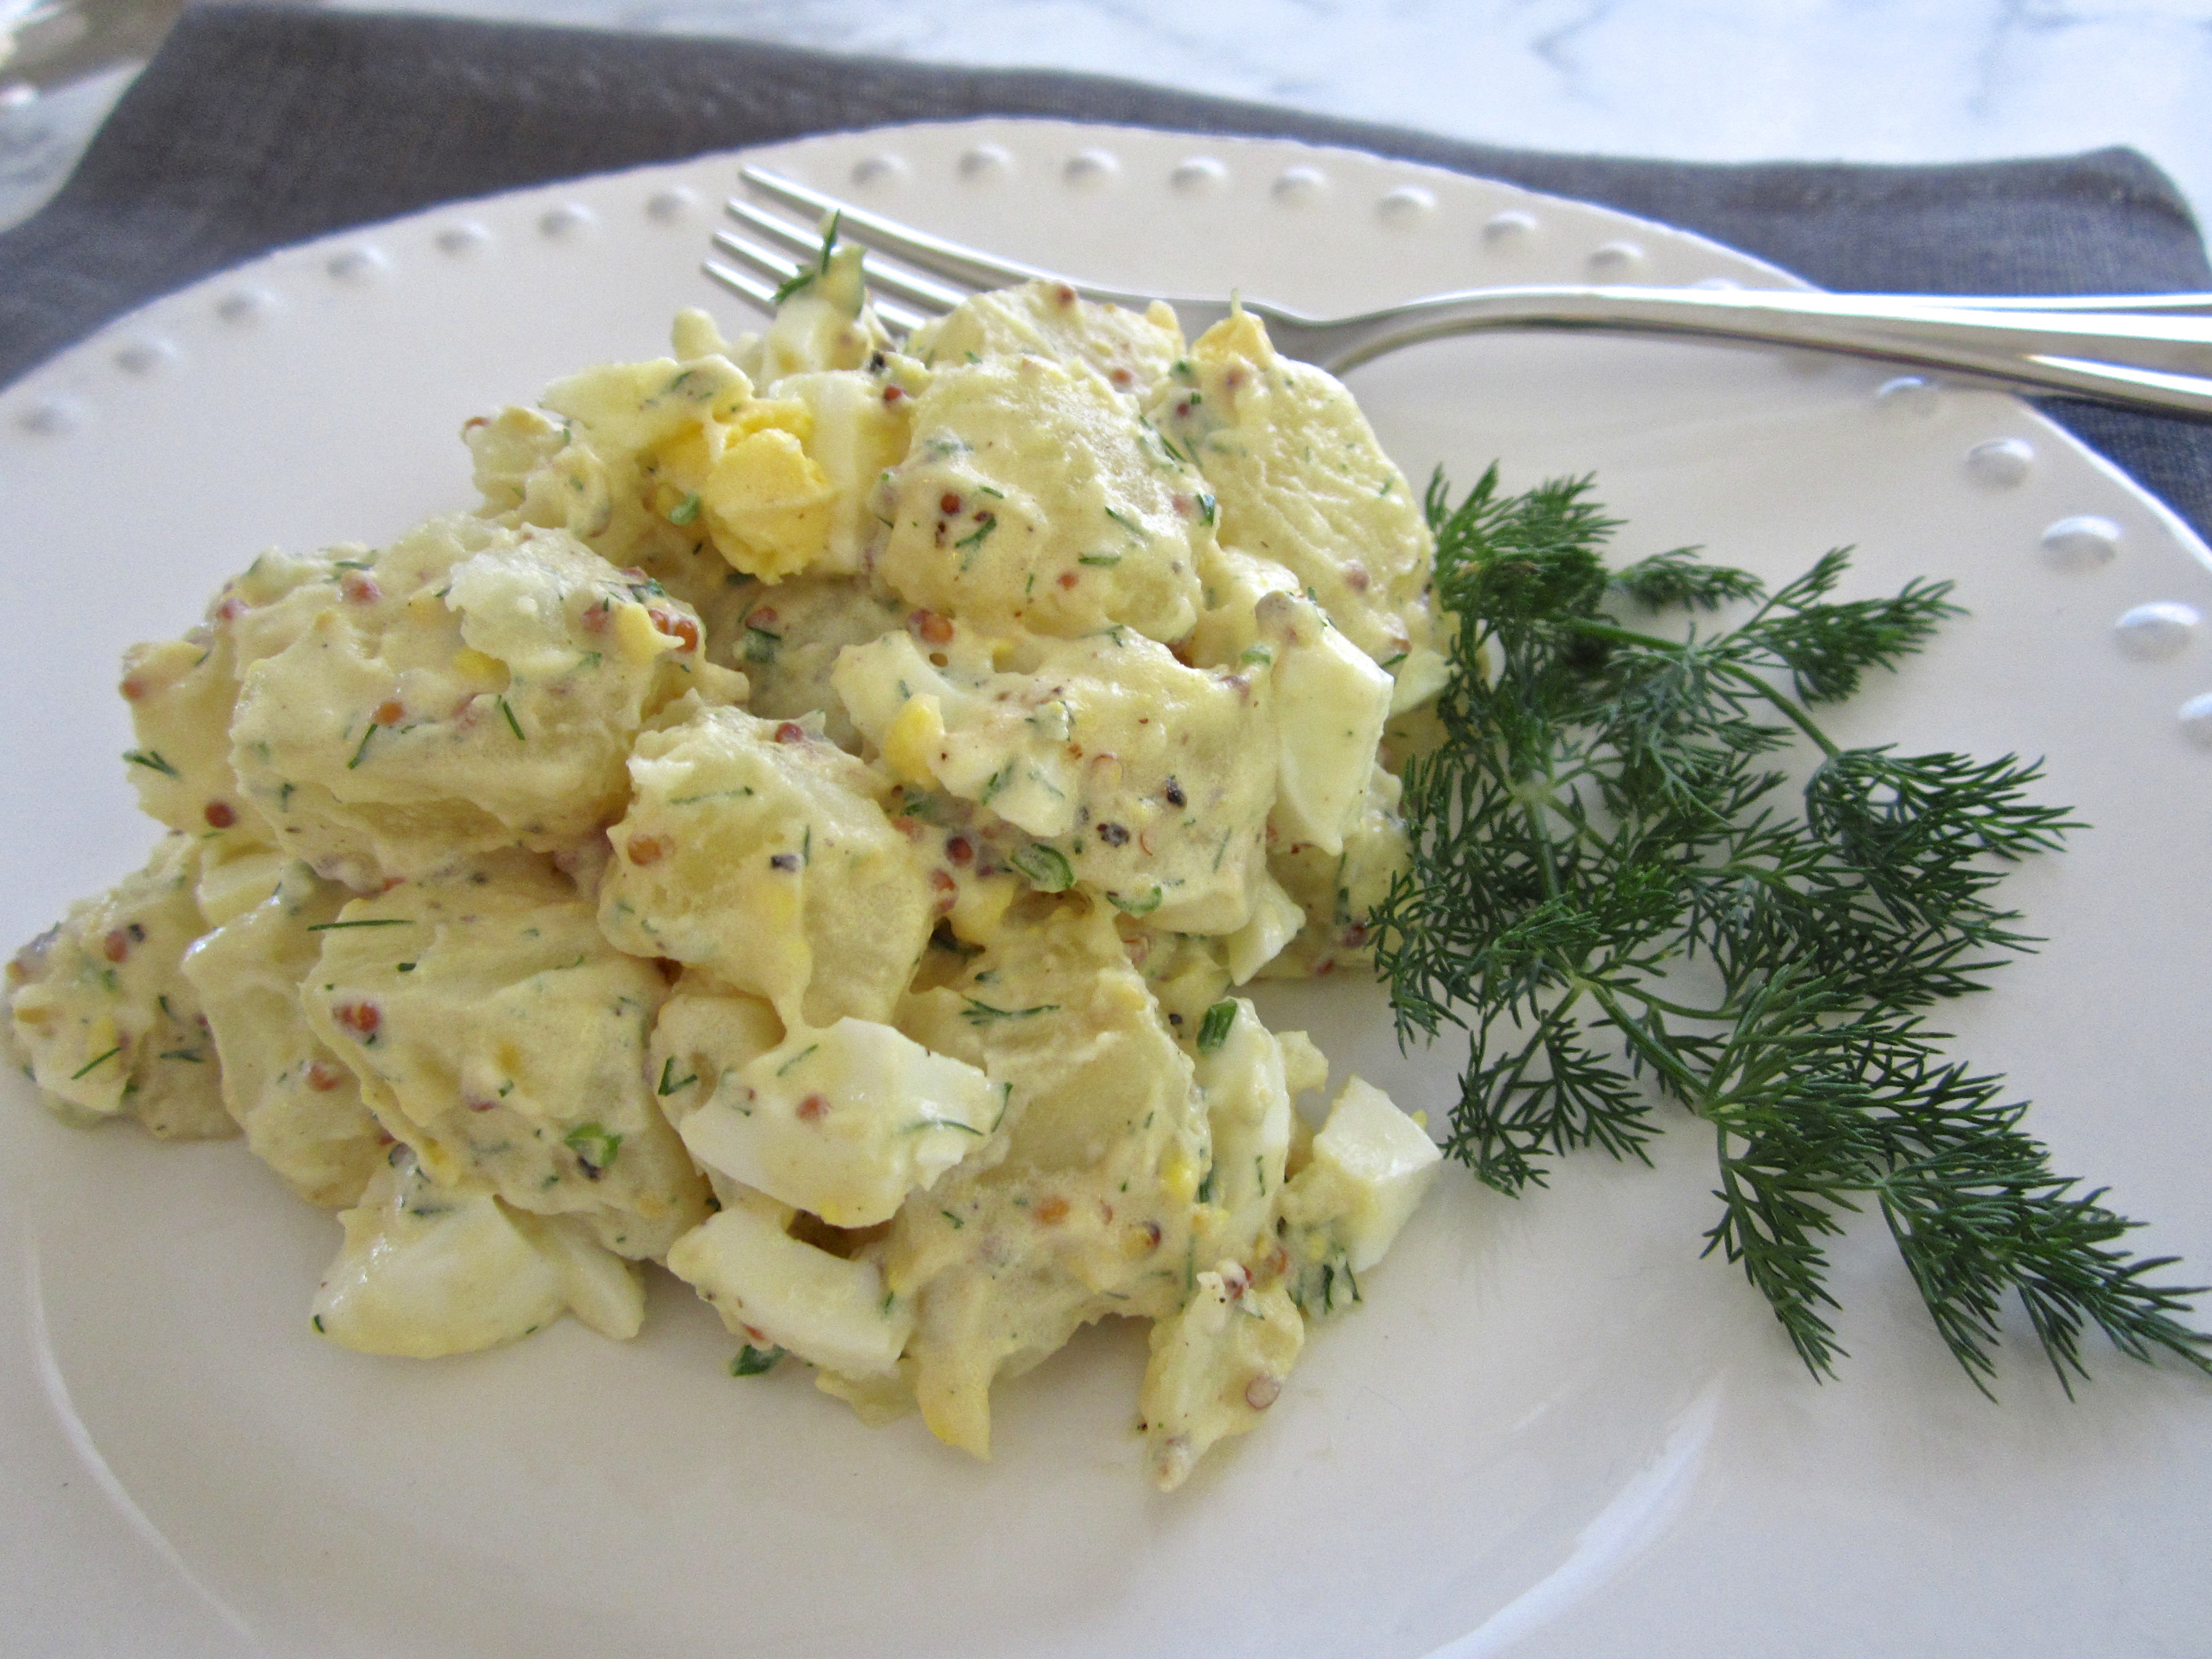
column 255, row 127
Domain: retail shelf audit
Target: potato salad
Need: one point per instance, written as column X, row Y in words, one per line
column 809, row 829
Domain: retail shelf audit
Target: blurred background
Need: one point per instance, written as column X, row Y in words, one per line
column 1712, row 79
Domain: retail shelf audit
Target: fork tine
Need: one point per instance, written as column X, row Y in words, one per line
column 899, row 284
column 956, row 261
column 962, row 264
column 898, row 316
column 745, row 288
column 796, row 238
column 782, row 270
column 769, row 262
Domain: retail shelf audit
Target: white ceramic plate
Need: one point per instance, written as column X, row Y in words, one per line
column 1552, row 1427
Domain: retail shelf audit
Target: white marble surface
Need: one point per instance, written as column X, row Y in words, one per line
column 1863, row 80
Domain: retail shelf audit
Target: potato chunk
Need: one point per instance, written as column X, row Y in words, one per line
column 181, row 694
column 1301, row 480
column 706, row 1030
column 499, row 1034
column 300, row 1105
column 1131, row 350
column 1215, row 1367
column 1093, row 1209
column 104, row 1018
column 1032, row 498
column 757, row 849
column 467, row 689
column 1139, row 778
column 785, row 639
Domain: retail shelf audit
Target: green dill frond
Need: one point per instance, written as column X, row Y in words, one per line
column 806, row 276
column 1530, row 557
column 1827, row 646
column 1677, row 580
column 1608, row 892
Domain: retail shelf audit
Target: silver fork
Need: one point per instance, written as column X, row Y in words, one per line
column 2145, row 351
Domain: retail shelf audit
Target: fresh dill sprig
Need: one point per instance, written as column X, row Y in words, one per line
column 806, row 276
column 1609, row 895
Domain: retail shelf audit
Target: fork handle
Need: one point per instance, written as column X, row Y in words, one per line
column 2158, row 359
